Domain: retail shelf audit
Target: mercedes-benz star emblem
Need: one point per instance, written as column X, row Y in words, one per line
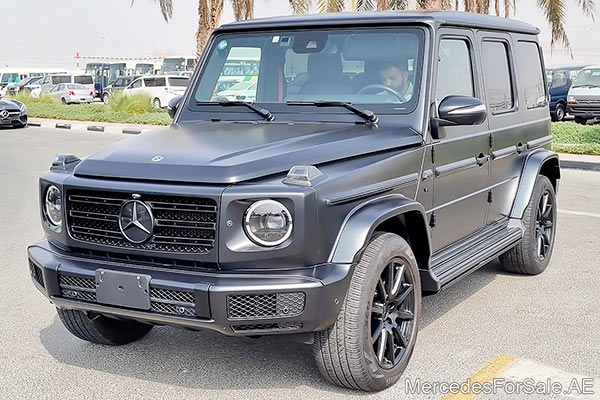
column 4, row 114
column 157, row 158
column 136, row 221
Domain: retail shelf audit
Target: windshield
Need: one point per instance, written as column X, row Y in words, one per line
column 588, row 77
column 56, row 79
column 173, row 65
column 9, row 78
column 376, row 67
column 115, row 71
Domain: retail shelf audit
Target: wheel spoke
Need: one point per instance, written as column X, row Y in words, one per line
column 547, row 212
column 408, row 288
column 397, row 283
column 390, row 280
column 382, row 345
column 545, row 202
column 377, row 308
column 391, row 350
column 382, row 291
column 377, row 332
column 539, row 245
column 405, row 315
column 400, row 336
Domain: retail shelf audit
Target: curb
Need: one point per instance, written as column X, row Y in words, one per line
column 582, row 165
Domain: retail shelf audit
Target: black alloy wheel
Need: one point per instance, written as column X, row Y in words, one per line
column 544, row 225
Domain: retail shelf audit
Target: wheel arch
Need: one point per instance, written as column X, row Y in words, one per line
column 541, row 162
column 394, row 214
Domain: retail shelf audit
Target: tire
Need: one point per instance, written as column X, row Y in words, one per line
column 581, row 120
column 64, row 101
column 559, row 113
column 106, row 98
column 101, row 329
column 525, row 257
column 345, row 353
column 156, row 103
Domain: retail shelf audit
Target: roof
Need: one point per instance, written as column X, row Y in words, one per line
column 434, row 18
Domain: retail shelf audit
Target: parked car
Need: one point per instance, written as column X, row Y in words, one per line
column 240, row 91
column 560, row 83
column 50, row 81
column 326, row 213
column 12, row 113
column 161, row 88
column 584, row 96
column 18, row 87
column 69, row 93
column 117, row 86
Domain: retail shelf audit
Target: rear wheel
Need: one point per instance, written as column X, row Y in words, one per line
column 101, row 329
column 156, row 103
column 64, row 101
column 532, row 255
column 371, row 343
column 559, row 113
column 105, row 98
column 581, row 120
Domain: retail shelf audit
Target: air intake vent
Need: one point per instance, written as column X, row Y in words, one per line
column 290, row 326
column 270, row 305
column 36, row 273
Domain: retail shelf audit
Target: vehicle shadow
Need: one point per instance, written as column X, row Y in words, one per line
column 209, row 360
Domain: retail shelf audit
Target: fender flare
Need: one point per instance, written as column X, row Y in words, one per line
column 535, row 162
column 360, row 223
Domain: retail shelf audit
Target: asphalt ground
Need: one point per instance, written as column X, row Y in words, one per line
column 489, row 325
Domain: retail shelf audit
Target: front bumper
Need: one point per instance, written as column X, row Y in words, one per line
column 584, row 110
column 15, row 118
column 233, row 303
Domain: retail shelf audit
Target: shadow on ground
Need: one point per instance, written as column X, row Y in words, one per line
column 209, row 360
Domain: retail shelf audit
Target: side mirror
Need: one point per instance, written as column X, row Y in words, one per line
column 461, row 110
column 174, row 105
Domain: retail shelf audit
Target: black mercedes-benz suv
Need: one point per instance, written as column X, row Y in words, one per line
column 383, row 156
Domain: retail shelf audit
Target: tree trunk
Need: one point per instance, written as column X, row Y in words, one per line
column 209, row 14
column 383, row 5
column 497, row 6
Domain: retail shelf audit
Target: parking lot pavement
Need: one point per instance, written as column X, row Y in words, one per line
column 490, row 324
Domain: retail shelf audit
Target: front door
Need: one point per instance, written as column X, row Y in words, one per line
column 461, row 164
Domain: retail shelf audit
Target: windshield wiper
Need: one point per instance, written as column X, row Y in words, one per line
column 588, row 85
column 367, row 115
column 263, row 112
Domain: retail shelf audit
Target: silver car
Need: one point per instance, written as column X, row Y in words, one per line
column 69, row 93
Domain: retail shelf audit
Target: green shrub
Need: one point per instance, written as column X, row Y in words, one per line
column 26, row 98
column 135, row 104
column 96, row 113
column 573, row 138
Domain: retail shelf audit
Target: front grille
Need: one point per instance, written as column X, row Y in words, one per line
column 287, row 326
column 181, row 224
column 270, row 305
column 36, row 273
column 164, row 301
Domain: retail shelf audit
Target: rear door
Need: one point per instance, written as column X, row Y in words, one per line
column 505, row 121
column 460, row 159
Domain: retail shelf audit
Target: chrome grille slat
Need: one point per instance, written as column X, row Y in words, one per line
column 182, row 224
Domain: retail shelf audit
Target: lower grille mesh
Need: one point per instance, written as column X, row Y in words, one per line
column 163, row 301
column 270, row 305
column 292, row 326
column 36, row 273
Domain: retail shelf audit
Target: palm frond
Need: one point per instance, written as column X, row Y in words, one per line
column 242, row 9
column 383, row 5
column 555, row 12
column 588, row 7
column 300, row 6
column 398, row 4
column 166, row 8
column 364, row 5
column 327, row 6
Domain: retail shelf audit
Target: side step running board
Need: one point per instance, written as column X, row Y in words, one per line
column 452, row 265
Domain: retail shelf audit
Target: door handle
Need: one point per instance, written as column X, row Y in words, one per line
column 521, row 147
column 482, row 159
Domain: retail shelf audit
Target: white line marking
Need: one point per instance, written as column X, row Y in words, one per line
column 582, row 213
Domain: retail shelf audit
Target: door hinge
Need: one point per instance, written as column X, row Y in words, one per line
column 433, row 154
column 491, row 140
column 432, row 219
column 490, row 197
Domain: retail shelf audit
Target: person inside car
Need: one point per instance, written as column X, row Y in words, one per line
column 395, row 76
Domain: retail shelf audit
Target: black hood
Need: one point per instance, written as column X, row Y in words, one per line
column 226, row 152
column 8, row 104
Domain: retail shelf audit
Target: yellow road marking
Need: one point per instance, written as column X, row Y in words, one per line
column 486, row 374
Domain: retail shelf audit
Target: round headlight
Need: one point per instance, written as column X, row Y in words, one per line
column 53, row 206
column 268, row 223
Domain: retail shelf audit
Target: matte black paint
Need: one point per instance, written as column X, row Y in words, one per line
column 457, row 200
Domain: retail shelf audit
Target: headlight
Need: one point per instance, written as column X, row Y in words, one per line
column 53, row 206
column 268, row 223
column 571, row 100
column 23, row 108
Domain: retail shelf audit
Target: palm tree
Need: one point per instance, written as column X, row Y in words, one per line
column 554, row 10
column 209, row 15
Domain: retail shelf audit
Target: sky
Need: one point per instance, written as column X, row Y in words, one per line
column 49, row 33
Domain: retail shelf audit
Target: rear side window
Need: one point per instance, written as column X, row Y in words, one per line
column 61, row 79
column 183, row 82
column 149, row 82
column 455, row 75
column 83, row 79
column 160, row 82
column 532, row 76
column 497, row 77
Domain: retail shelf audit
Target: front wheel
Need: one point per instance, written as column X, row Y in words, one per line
column 581, row 120
column 156, row 103
column 559, row 113
column 101, row 329
column 532, row 254
column 371, row 343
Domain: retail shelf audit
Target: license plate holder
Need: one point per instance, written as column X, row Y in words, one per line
column 123, row 289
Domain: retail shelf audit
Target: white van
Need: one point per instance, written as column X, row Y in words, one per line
column 162, row 88
column 46, row 84
column 583, row 100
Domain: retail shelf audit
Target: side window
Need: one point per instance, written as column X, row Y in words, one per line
column 559, row 79
column 161, row 82
column 532, row 76
column 455, row 72
column 137, row 84
column 149, row 82
column 497, row 76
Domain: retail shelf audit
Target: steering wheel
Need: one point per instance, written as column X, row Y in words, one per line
column 385, row 88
